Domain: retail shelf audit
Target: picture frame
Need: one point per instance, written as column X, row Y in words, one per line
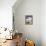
column 28, row 19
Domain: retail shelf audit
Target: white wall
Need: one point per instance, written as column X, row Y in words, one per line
column 36, row 8
column 29, row 7
column 6, row 13
column 43, row 22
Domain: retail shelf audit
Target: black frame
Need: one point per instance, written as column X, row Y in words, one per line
column 29, row 19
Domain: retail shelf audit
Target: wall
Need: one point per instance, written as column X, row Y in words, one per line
column 29, row 7
column 43, row 22
column 6, row 13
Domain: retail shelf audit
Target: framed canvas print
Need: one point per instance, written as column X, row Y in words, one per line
column 29, row 19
